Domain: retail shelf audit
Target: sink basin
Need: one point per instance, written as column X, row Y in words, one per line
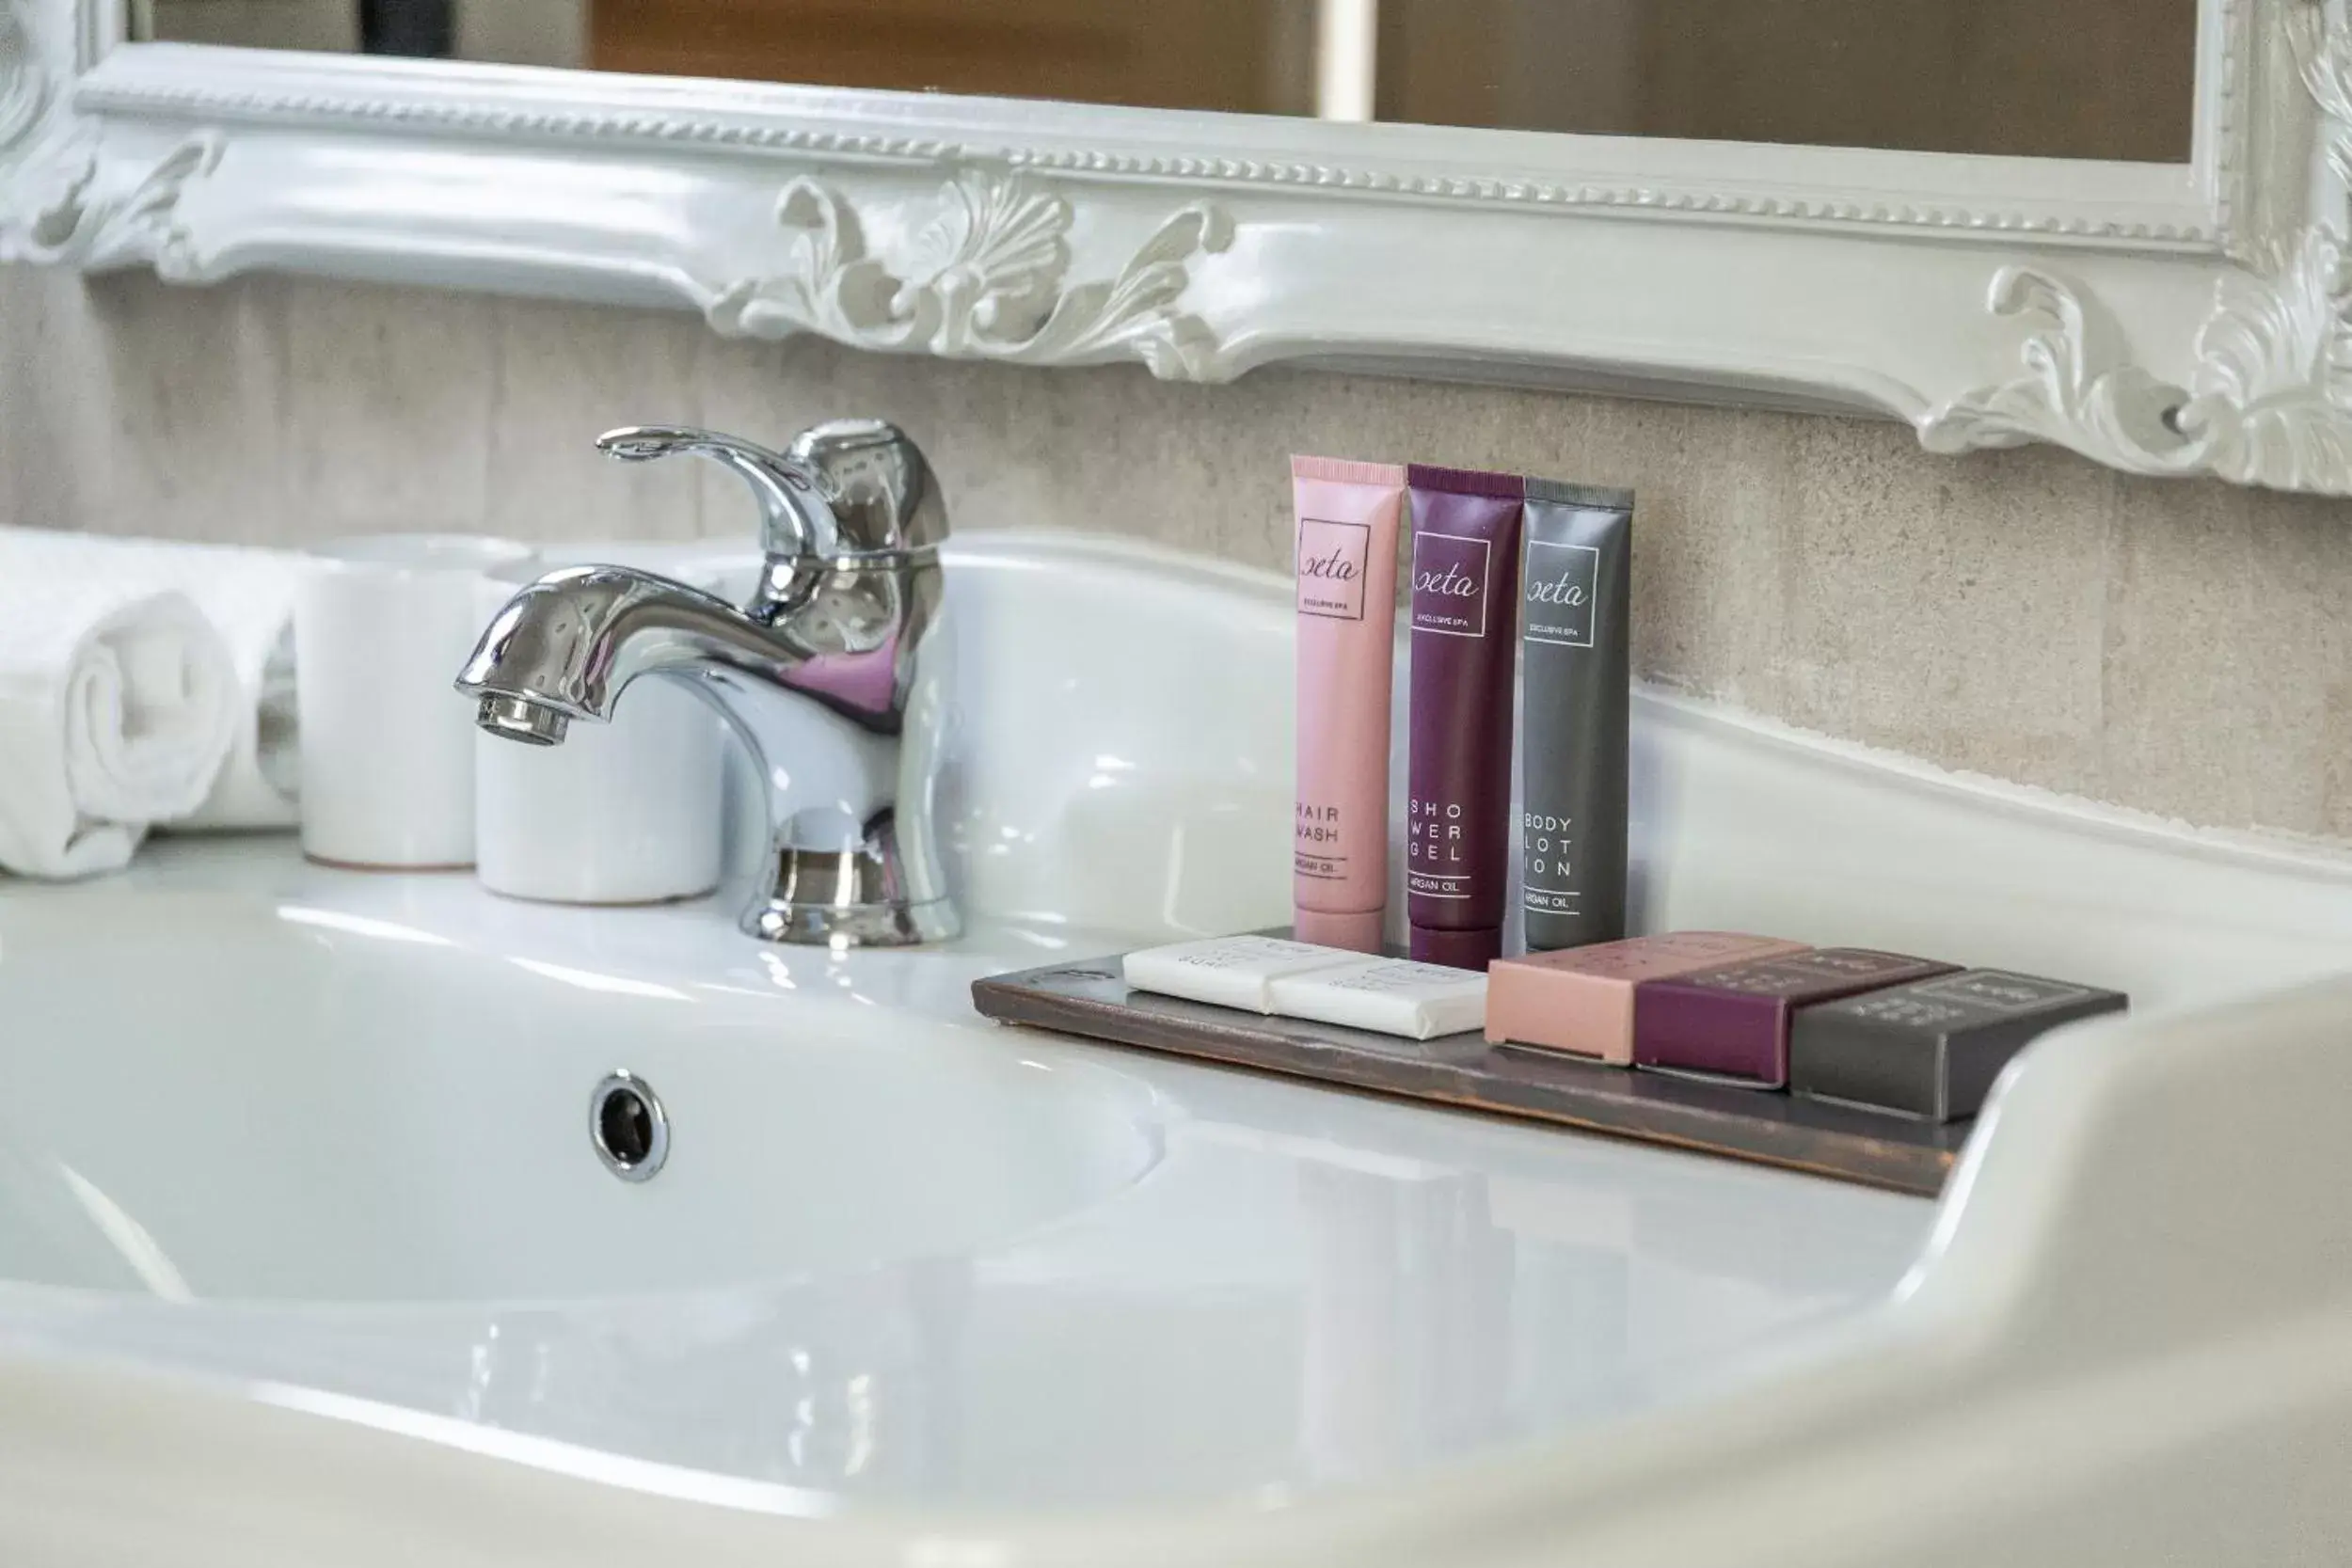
column 312, row 1130
column 298, row 1163
column 434, row 1104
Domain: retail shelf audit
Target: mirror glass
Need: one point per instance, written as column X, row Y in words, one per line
column 2037, row 78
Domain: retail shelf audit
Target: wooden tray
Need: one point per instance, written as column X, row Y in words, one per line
column 1090, row 999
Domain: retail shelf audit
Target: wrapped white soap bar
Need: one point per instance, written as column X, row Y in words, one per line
column 1390, row 995
column 1232, row 972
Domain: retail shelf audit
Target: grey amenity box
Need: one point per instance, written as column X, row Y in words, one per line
column 1931, row 1050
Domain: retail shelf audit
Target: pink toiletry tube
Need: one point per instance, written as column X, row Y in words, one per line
column 1346, row 559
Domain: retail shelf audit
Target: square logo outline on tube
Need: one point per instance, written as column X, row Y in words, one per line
column 1485, row 576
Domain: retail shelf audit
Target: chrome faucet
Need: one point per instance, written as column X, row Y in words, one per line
column 834, row 670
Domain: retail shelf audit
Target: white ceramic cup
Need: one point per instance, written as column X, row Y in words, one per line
column 382, row 626
column 625, row 812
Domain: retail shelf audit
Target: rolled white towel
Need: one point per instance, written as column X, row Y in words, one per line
column 117, row 707
column 249, row 596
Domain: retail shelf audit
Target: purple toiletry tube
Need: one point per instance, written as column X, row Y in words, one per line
column 1465, row 627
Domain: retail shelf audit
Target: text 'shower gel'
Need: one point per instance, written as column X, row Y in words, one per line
column 1465, row 622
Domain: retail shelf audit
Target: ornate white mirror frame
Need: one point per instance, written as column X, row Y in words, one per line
column 2167, row 320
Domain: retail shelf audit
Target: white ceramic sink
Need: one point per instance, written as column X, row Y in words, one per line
column 286, row 1145
column 274, row 1121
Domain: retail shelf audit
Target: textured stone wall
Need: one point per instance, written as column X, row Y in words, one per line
column 2183, row 648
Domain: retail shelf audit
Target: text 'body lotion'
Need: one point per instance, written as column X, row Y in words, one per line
column 1575, row 596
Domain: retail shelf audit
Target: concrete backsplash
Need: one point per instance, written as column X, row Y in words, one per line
column 2183, row 648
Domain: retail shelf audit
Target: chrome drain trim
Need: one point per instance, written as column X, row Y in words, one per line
column 630, row 1127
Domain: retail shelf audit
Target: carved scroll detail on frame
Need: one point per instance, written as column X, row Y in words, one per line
column 986, row 277
column 59, row 200
column 2271, row 398
column 23, row 85
column 74, row 221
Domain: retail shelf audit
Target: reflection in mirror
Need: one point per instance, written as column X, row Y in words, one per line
column 2038, row 78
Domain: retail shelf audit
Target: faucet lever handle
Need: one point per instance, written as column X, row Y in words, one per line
column 796, row 514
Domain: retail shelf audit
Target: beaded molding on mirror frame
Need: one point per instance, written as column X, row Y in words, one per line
column 2163, row 320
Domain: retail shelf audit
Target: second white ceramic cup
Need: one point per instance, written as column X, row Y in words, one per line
column 625, row 812
column 382, row 625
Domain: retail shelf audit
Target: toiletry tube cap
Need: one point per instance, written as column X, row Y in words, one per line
column 1358, row 933
column 1457, row 949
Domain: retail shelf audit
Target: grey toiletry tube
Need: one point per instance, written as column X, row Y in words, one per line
column 1574, row 692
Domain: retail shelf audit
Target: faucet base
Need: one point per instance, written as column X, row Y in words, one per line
column 849, row 897
column 853, row 925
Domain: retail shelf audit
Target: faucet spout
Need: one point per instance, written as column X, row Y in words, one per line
column 570, row 643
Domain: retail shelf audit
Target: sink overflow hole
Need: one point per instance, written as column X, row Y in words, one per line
column 630, row 1127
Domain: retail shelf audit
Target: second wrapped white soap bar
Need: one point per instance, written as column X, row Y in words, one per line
column 1231, row 971
column 1392, row 996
